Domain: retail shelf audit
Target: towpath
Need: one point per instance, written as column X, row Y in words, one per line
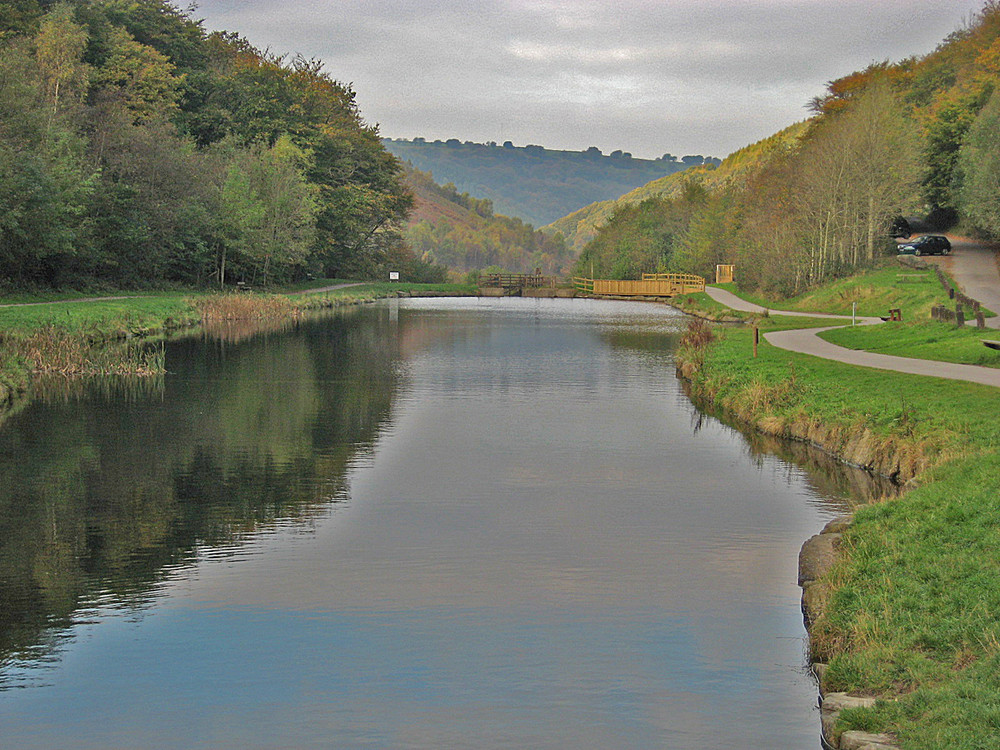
column 321, row 289
column 806, row 341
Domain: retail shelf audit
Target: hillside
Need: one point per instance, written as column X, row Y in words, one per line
column 535, row 184
column 817, row 201
column 462, row 233
column 580, row 227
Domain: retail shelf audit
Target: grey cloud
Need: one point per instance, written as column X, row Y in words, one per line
column 685, row 76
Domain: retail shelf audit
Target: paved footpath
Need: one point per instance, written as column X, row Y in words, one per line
column 974, row 266
column 806, row 341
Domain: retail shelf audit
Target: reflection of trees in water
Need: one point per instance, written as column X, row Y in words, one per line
column 828, row 476
column 108, row 484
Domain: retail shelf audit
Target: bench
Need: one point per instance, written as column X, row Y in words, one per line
column 991, row 344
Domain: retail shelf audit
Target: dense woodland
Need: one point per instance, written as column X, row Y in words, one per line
column 920, row 138
column 135, row 148
column 536, row 184
column 463, row 233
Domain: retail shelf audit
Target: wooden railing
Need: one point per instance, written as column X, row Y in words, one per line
column 651, row 285
column 516, row 280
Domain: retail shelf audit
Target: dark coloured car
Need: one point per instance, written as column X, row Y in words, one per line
column 929, row 244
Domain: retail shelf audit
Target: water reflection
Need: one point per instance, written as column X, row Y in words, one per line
column 419, row 524
column 107, row 483
column 822, row 471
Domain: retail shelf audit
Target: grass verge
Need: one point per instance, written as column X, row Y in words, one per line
column 914, row 602
column 701, row 305
column 922, row 340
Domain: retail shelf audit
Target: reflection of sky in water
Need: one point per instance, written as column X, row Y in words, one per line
column 540, row 553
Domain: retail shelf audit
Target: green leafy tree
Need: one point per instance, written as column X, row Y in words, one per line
column 268, row 210
column 139, row 77
column 45, row 182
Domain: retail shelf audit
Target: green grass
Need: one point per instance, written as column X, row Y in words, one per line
column 388, row 288
column 914, row 292
column 703, row 306
column 915, row 613
column 922, row 340
column 107, row 319
column 303, row 286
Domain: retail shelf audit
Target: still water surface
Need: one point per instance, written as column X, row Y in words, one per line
column 418, row 524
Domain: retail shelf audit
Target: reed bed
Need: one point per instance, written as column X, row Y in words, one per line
column 244, row 307
column 52, row 350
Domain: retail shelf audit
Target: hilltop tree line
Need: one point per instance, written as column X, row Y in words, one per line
column 917, row 138
column 536, row 184
column 136, row 148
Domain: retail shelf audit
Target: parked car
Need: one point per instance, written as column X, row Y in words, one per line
column 929, row 244
column 901, row 228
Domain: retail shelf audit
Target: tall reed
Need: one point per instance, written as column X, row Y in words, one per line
column 244, row 307
column 53, row 350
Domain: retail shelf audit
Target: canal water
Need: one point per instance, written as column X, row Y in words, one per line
column 460, row 523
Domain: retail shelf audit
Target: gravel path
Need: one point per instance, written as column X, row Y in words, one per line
column 320, row 290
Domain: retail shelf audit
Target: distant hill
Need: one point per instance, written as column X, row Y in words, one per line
column 581, row 226
column 533, row 183
column 461, row 232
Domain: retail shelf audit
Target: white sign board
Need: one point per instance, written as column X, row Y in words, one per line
column 393, row 275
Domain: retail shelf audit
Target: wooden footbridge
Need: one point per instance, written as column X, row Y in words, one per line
column 651, row 285
column 511, row 281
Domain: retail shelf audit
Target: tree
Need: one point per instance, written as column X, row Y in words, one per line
column 979, row 169
column 45, row 182
column 59, row 45
column 139, row 77
column 858, row 169
column 268, row 209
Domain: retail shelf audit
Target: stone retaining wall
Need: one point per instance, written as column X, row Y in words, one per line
column 817, row 556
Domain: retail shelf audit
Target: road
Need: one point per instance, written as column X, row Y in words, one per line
column 974, row 267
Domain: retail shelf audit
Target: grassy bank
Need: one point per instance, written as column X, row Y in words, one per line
column 82, row 338
column 701, row 305
column 914, row 603
column 913, row 291
column 71, row 334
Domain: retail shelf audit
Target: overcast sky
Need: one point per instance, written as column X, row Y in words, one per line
column 649, row 77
